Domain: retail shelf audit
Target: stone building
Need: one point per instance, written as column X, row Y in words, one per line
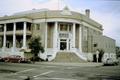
column 61, row 31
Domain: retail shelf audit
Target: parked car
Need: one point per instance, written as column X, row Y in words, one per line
column 25, row 60
column 1, row 59
column 111, row 61
column 15, row 59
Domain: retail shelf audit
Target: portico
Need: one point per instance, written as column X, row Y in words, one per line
column 64, row 35
column 15, row 35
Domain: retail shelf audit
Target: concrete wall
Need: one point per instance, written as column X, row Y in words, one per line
column 105, row 43
column 77, row 33
column 87, row 37
column 84, row 39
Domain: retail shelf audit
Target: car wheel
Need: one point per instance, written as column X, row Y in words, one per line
column 11, row 61
column 19, row 61
column 7, row 60
column 116, row 63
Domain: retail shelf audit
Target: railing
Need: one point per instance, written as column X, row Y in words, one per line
column 8, row 51
column 49, row 54
column 80, row 54
column 19, row 32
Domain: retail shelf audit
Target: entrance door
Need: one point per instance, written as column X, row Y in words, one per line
column 63, row 44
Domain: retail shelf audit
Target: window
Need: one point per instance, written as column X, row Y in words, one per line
column 63, row 27
column 95, row 45
column 1, row 28
column 63, row 40
column 85, row 34
column 70, row 26
column 29, row 26
column 38, row 26
column 66, row 27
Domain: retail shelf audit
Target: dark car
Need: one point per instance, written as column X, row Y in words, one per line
column 16, row 59
column 1, row 59
column 13, row 58
column 25, row 60
column 111, row 61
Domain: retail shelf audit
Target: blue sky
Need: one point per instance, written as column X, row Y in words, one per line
column 106, row 12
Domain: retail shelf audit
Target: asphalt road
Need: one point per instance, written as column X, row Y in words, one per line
column 62, row 71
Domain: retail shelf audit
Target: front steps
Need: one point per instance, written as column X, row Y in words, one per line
column 67, row 57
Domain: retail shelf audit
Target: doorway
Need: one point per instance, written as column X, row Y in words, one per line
column 63, row 44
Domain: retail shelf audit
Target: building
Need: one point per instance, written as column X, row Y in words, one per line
column 60, row 31
column 106, row 44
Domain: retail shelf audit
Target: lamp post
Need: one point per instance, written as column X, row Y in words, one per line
column 97, row 55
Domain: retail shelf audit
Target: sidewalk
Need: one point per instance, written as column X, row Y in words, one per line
column 88, row 64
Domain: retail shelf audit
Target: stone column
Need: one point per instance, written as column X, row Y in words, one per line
column 73, row 35
column 80, row 38
column 55, row 36
column 14, row 38
column 24, row 35
column 67, row 44
column 46, row 36
column 4, row 37
column 97, row 55
column 14, row 35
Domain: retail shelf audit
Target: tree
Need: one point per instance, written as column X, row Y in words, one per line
column 118, row 51
column 101, row 53
column 35, row 46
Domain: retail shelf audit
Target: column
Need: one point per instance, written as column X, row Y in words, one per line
column 4, row 37
column 14, row 36
column 80, row 38
column 97, row 55
column 46, row 36
column 67, row 44
column 73, row 35
column 55, row 36
column 24, row 35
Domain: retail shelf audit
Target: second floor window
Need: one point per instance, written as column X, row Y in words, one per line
column 65, row 27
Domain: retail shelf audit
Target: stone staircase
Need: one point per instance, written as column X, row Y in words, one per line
column 67, row 57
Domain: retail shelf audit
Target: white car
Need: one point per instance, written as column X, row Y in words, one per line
column 111, row 61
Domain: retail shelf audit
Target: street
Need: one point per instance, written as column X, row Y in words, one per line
column 58, row 71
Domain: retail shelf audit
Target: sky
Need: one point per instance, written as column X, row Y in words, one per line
column 106, row 12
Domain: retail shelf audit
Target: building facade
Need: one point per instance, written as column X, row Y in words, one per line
column 59, row 30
